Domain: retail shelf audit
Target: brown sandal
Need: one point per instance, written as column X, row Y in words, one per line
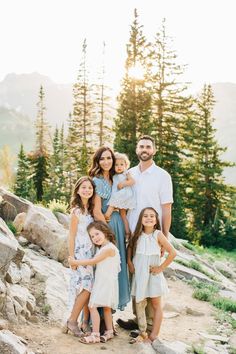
column 91, row 339
column 107, row 336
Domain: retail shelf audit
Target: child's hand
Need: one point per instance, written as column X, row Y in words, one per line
column 120, row 185
column 73, row 262
column 131, row 267
column 154, row 270
column 107, row 217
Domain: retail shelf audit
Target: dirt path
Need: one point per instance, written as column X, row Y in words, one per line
column 44, row 338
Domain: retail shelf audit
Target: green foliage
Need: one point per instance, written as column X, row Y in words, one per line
column 58, row 206
column 212, row 288
column 46, row 309
column 197, row 350
column 222, row 317
column 203, row 294
column 189, row 246
column 224, row 304
column 11, row 227
column 134, row 101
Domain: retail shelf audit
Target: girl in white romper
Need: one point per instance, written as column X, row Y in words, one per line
column 80, row 246
column 105, row 292
column 148, row 280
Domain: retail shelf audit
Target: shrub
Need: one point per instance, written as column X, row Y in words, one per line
column 46, row 309
column 203, row 294
column 224, row 304
column 11, row 227
column 57, row 206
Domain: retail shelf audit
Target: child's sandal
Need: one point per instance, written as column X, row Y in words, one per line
column 107, row 336
column 91, row 339
column 86, row 328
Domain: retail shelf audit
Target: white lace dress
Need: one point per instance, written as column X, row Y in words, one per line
column 105, row 292
column 122, row 198
column 144, row 284
column 83, row 276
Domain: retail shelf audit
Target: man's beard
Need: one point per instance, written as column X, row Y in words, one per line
column 146, row 157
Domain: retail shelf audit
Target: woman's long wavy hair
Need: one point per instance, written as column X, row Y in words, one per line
column 76, row 201
column 104, row 228
column 96, row 170
column 139, row 229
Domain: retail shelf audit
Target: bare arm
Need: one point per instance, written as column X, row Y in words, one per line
column 127, row 183
column 166, row 218
column 163, row 242
column 97, row 210
column 129, row 260
column 100, row 257
column 72, row 233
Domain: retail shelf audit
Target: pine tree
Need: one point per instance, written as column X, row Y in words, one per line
column 208, row 194
column 81, row 131
column 23, row 184
column 103, row 118
column 40, row 157
column 55, row 188
column 134, row 110
column 170, row 108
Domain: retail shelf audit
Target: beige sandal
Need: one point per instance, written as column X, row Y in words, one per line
column 91, row 339
column 107, row 336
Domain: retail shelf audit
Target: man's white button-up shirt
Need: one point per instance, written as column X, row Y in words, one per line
column 153, row 187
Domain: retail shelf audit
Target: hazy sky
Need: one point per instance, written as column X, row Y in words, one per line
column 46, row 35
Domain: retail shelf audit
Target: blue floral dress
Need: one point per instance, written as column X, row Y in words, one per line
column 103, row 189
column 83, row 276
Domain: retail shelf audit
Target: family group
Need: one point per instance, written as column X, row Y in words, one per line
column 119, row 226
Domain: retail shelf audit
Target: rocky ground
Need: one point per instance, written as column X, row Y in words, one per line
column 34, row 282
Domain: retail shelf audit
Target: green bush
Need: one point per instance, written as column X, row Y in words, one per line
column 11, row 227
column 203, row 294
column 46, row 309
column 224, row 304
column 58, row 206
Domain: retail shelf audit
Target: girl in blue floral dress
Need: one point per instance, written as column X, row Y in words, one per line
column 80, row 247
column 102, row 172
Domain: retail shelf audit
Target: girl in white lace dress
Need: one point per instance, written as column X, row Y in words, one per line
column 148, row 280
column 105, row 292
column 122, row 194
column 80, row 247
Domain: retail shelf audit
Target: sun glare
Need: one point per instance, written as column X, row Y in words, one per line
column 136, row 72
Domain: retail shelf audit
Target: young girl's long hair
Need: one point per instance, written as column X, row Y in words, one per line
column 76, row 199
column 96, row 170
column 139, row 229
column 104, row 228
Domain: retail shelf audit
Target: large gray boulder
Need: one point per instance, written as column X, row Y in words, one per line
column 9, row 248
column 43, row 229
column 12, row 205
column 12, row 344
column 49, row 285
